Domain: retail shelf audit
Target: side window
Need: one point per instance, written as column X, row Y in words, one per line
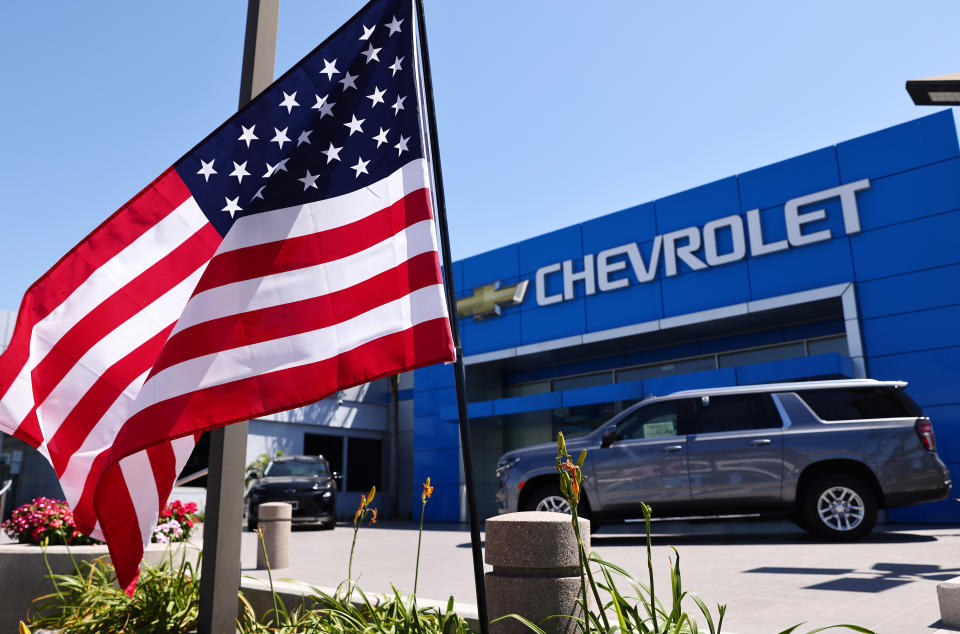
column 658, row 420
column 861, row 402
column 736, row 413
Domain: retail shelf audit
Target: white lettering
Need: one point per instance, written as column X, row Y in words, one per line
column 796, row 220
column 848, row 205
column 542, row 298
column 586, row 276
column 648, row 273
column 757, row 247
column 685, row 252
column 735, row 223
column 605, row 267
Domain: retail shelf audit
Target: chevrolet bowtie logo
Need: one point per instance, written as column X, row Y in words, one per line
column 489, row 300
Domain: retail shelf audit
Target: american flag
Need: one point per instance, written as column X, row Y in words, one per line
column 290, row 254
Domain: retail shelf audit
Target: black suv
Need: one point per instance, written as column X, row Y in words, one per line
column 304, row 482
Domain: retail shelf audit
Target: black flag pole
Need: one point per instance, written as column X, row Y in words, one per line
column 459, row 373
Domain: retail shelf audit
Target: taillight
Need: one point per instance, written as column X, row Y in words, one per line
column 925, row 432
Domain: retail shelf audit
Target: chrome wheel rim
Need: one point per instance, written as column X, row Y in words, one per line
column 553, row 504
column 840, row 508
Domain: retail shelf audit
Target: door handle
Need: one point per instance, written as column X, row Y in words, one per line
column 760, row 442
column 672, row 448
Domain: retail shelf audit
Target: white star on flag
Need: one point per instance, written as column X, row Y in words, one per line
column 349, row 81
column 206, row 169
column 402, row 145
column 304, row 138
column 310, row 180
column 376, row 97
column 371, row 54
column 329, row 69
column 280, row 137
column 248, row 134
column 289, row 102
column 325, row 107
column 232, row 206
column 381, row 138
column 367, row 32
column 395, row 67
column 360, row 167
column 239, row 170
column 397, row 107
column 333, row 154
column 355, row 125
column 394, row 26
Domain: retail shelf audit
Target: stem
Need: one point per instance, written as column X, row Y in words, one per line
column 266, row 559
column 416, row 571
column 356, row 528
column 653, row 596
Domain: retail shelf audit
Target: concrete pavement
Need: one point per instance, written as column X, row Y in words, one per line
column 770, row 574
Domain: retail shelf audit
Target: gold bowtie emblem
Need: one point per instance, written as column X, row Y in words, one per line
column 488, row 301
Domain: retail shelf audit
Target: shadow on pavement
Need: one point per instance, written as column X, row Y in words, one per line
column 746, row 539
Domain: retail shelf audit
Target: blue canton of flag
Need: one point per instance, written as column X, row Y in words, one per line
column 344, row 117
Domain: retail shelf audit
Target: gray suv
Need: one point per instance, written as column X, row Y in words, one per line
column 828, row 454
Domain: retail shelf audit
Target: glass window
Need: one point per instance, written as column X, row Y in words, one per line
column 858, row 403
column 525, row 389
column 826, row 346
column 587, row 380
column 666, row 369
column 760, row 355
column 736, row 413
column 296, row 468
column 578, row 420
column 657, row 420
column 363, row 463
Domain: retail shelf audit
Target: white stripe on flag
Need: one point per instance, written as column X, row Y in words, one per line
column 98, row 440
column 295, row 350
column 112, row 348
column 134, row 259
column 309, row 282
column 139, row 481
column 302, row 220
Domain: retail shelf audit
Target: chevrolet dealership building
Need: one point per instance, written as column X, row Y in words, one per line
column 843, row 262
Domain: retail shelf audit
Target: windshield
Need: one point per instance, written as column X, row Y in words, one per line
column 296, row 468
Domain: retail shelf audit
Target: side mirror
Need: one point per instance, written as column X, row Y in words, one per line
column 609, row 437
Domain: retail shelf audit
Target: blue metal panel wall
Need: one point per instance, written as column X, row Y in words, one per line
column 904, row 263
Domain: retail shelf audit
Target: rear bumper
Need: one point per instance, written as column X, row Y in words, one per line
column 910, row 498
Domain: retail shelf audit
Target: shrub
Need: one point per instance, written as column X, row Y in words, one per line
column 51, row 521
column 47, row 520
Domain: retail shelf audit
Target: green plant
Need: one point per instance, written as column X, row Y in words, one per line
column 341, row 613
column 639, row 609
column 88, row 601
column 363, row 511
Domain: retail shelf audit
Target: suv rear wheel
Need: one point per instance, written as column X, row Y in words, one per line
column 840, row 507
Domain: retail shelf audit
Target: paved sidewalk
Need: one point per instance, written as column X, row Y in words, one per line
column 770, row 574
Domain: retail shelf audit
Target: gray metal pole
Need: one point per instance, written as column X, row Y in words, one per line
column 220, row 575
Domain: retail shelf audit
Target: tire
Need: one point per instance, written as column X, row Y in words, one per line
column 328, row 526
column 840, row 507
column 547, row 498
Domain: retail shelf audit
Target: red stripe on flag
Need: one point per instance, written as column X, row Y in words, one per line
column 98, row 399
column 316, row 248
column 152, row 204
column 121, row 528
column 121, row 306
column 234, row 331
column 423, row 344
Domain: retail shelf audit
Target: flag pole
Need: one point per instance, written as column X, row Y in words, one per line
column 220, row 572
column 458, row 368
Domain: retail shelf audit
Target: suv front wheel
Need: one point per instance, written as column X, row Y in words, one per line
column 547, row 498
column 840, row 507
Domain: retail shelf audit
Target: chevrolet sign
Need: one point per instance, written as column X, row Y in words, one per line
column 489, row 300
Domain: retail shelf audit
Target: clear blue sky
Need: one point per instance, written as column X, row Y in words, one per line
column 549, row 113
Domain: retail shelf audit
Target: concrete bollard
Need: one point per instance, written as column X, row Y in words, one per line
column 274, row 520
column 536, row 570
